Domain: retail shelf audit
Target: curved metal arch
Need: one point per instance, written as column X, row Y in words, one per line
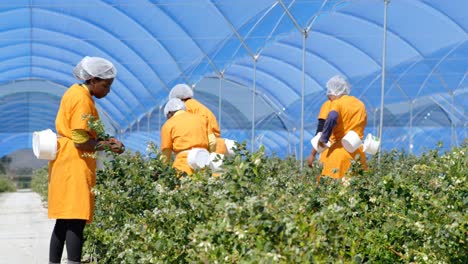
column 437, row 65
column 109, row 33
column 94, row 44
column 266, row 74
column 345, row 42
column 421, row 111
column 310, row 76
column 19, row 143
column 156, row 40
column 408, row 43
column 394, row 34
column 10, row 137
column 184, row 30
column 27, row 67
column 314, row 54
column 461, row 81
column 66, row 74
column 257, row 23
column 13, row 7
column 14, row 44
column 242, row 84
column 379, row 74
column 45, row 44
column 269, row 73
column 443, row 15
column 271, row 116
column 455, row 112
column 43, row 93
column 233, row 29
column 41, row 67
column 100, row 108
column 97, row 48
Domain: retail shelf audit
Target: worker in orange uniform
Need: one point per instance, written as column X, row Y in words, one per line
column 72, row 174
column 346, row 113
column 322, row 116
column 182, row 132
column 185, row 93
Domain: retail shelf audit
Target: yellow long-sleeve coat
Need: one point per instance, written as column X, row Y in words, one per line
column 195, row 107
column 182, row 132
column 71, row 174
column 351, row 116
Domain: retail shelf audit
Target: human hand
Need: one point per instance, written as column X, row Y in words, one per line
column 116, row 146
column 310, row 160
column 321, row 144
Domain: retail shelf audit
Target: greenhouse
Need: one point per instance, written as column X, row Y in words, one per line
column 260, row 66
column 148, row 183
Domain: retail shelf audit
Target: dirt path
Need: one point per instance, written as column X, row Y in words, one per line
column 24, row 228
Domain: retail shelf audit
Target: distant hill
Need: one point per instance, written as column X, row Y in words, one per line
column 25, row 159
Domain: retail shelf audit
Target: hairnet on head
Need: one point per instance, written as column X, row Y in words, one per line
column 91, row 67
column 181, row 91
column 174, row 104
column 338, row 85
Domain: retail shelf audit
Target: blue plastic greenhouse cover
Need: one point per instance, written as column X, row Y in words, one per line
column 261, row 66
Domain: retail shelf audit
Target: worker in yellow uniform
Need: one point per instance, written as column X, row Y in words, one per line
column 182, row 132
column 322, row 116
column 346, row 113
column 72, row 174
column 185, row 93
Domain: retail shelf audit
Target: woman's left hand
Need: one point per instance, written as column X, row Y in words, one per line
column 116, row 146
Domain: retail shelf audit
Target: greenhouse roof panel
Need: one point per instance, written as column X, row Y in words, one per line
column 226, row 50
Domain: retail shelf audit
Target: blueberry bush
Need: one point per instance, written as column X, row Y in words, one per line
column 260, row 209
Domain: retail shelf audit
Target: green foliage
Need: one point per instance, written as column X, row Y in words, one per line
column 266, row 210
column 6, row 185
column 97, row 126
column 4, row 164
column 40, row 182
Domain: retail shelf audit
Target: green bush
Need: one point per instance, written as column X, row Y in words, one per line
column 6, row 185
column 266, row 210
column 40, row 182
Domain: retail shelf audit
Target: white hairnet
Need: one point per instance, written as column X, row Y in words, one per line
column 338, row 85
column 90, row 67
column 181, row 91
column 174, row 104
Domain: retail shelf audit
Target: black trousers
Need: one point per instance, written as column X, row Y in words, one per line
column 69, row 231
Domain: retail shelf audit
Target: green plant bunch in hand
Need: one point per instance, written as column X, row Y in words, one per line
column 106, row 142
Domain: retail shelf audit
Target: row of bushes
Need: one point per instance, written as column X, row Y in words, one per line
column 6, row 185
column 40, row 181
column 267, row 210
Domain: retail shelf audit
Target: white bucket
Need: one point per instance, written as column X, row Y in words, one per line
column 230, row 146
column 44, row 144
column 371, row 144
column 314, row 141
column 351, row 141
column 198, row 158
column 216, row 161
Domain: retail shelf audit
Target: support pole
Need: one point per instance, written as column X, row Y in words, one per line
column 411, row 128
column 382, row 92
column 452, row 121
column 148, row 127
column 254, row 93
column 220, row 98
column 301, row 146
column 159, row 118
